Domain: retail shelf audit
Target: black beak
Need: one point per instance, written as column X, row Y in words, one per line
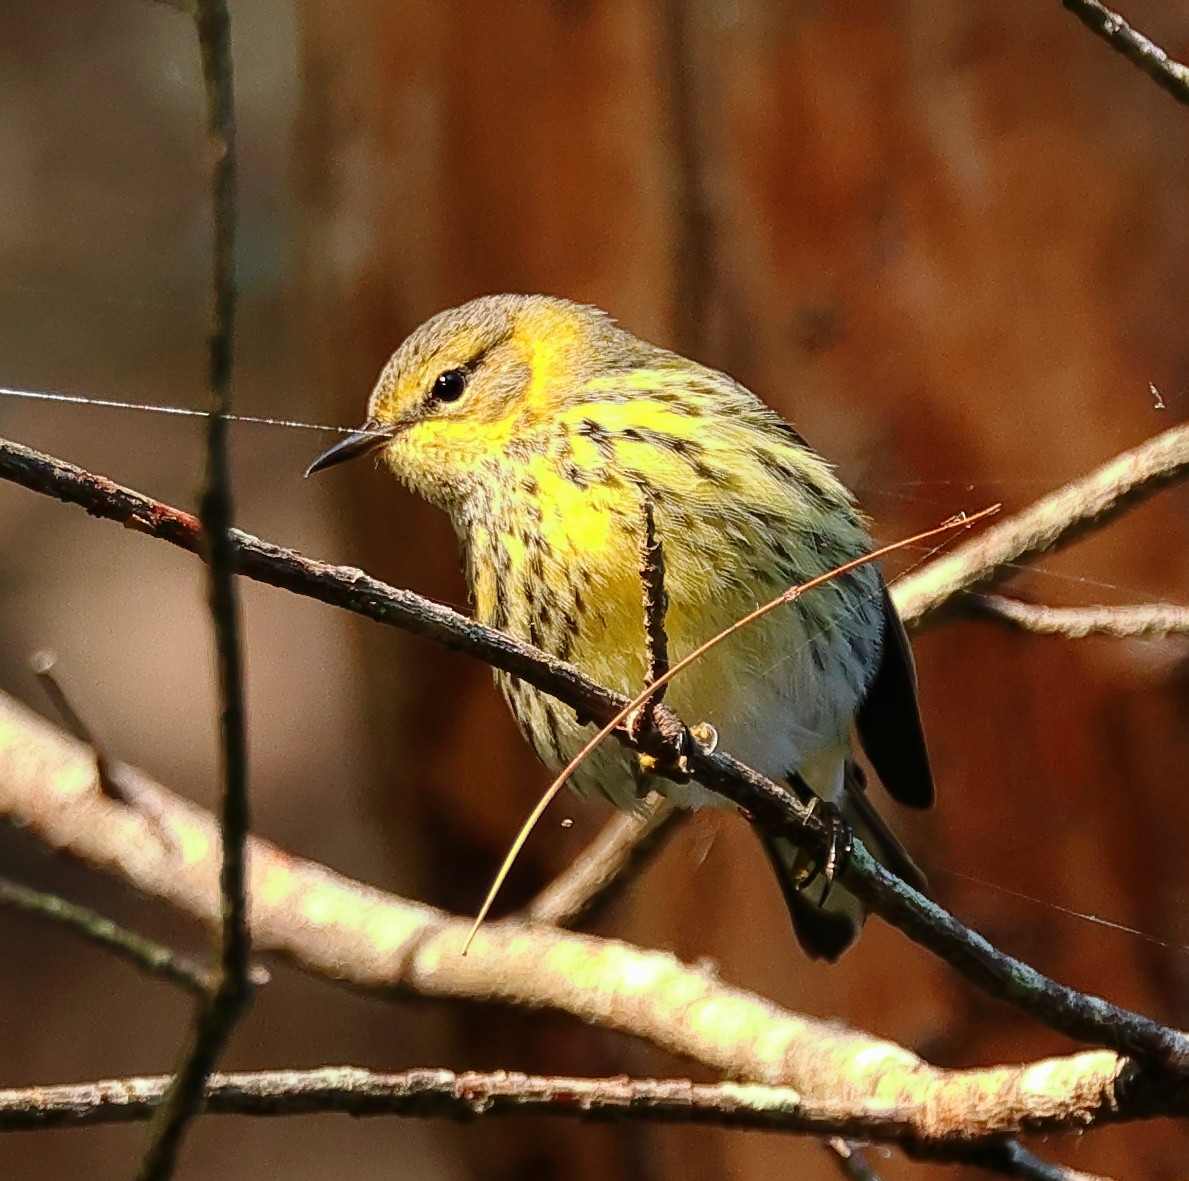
column 357, row 443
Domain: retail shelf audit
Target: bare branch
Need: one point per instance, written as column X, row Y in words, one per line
column 628, row 839
column 444, row 1094
column 150, row 956
column 1052, row 522
column 772, row 806
column 42, row 664
column 1168, row 74
column 216, row 1017
column 343, row 930
column 1009, row 1158
column 430, row 1093
column 656, row 606
column 656, row 600
column 1151, row 620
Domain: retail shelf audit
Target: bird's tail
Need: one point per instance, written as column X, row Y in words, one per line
column 826, row 930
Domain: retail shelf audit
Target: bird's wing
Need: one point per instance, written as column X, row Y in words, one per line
column 889, row 719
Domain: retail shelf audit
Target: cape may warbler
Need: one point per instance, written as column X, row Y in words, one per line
column 541, row 428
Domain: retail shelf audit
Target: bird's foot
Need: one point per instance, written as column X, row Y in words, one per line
column 838, row 848
column 670, row 743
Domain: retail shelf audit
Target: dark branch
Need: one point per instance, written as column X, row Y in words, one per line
column 219, row 1013
column 1065, row 1009
column 1168, row 74
column 656, row 606
column 1009, row 1158
column 154, row 958
column 775, row 809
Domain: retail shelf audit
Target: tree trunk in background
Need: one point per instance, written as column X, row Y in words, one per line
column 949, row 242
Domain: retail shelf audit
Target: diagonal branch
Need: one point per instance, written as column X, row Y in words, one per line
column 150, row 956
column 772, row 806
column 1138, row 620
column 1168, row 74
column 346, row 931
column 1052, row 522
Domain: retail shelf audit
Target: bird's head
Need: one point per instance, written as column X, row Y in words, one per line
column 474, row 380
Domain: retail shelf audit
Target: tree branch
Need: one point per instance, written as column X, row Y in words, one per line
column 226, row 1002
column 445, row 1094
column 1052, row 522
column 150, row 956
column 771, row 805
column 1168, row 74
column 343, row 930
column 1150, row 620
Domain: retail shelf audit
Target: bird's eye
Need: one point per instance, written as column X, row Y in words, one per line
column 449, row 386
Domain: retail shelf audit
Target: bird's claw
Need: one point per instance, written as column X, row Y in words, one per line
column 838, row 848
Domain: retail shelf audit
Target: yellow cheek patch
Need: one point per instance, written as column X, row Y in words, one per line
column 550, row 356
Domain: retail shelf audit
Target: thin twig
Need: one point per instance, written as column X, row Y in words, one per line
column 42, row 664
column 432, row 1093
column 1009, row 1158
column 147, row 954
column 1138, row 620
column 851, row 1162
column 1054, row 521
column 445, row 1094
column 215, row 1018
column 629, row 837
column 1168, row 74
column 607, row 863
column 656, row 606
column 1073, row 1013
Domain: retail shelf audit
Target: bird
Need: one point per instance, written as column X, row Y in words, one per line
column 543, row 429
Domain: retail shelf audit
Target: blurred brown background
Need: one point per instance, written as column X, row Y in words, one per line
column 949, row 241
